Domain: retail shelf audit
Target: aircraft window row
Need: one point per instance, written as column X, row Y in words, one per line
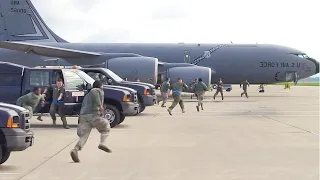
column 39, row 78
column 302, row 56
column 72, row 80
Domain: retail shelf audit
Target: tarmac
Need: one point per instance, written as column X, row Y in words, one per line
column 269, row 136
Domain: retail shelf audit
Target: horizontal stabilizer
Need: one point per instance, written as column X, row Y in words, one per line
column 48, row 51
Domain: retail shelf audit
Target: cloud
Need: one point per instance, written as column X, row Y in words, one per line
column 169, row 10
column 109, row 35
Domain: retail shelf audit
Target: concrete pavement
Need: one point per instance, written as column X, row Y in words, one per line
column 274, row 135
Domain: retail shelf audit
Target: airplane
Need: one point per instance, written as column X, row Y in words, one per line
column 26, row 39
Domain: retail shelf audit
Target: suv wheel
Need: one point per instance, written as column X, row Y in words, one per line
column 142, row 107
column 4, row 154
column 122, row 117
column 112, row 114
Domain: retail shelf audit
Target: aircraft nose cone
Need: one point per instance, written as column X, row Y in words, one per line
column 316, row 63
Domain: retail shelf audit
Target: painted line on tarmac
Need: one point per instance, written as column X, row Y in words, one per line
column 257, row 113
column 179, row 116
column 51, row 157
column 291, row 125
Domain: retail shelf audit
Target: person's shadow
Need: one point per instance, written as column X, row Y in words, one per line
column 51, row 126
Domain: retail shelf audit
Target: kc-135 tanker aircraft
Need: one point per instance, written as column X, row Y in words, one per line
column 27, row 40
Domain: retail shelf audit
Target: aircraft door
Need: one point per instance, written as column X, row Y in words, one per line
column 291, row 76
column 295, row 78
column 186, row 57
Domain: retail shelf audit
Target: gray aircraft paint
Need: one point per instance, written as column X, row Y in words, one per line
column 259, row 63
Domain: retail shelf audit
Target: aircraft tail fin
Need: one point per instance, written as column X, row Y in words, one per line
column 20, row 21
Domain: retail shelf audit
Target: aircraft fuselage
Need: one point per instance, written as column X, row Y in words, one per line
column 233, row 63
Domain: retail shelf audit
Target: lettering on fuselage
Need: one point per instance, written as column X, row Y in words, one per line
column 277, row 64
column 18, row 10
column 15, row 2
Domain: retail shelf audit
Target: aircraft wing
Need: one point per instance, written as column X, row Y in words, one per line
column 48, row 51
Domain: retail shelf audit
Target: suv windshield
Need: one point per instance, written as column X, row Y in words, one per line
column 113, row 75
column 85, row 76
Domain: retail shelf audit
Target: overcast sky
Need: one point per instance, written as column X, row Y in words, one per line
column 293, row 23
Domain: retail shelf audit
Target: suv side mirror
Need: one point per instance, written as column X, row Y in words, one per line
column 88, row 86
column 110, row 81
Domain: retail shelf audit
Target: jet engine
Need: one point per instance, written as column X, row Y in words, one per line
column 144, row 68
column 188, row 74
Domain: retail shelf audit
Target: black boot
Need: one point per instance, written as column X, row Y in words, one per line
column 104, row 148
column 74, row 155
column 64, row 122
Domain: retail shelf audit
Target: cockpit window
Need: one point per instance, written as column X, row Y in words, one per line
column 302, row 55
column 305, row 56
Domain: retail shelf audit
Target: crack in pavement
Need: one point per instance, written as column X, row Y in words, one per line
column 55, row 154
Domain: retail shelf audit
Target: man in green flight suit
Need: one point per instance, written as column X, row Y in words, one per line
column 200, row 88
column 244, row 85
column 195, row 81
column 219, row 89
column 58, row 96
column 92, row 116
column 176, row 94
column 165, row 86
column 31, row 100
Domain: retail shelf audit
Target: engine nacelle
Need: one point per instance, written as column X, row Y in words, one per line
column 188, row 74
column 144, row 68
